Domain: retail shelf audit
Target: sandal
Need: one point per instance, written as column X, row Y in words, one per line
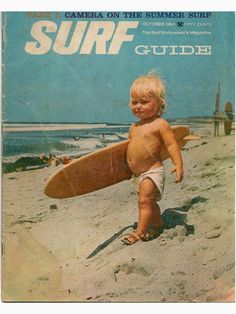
column 133, row 237
column 153, row 233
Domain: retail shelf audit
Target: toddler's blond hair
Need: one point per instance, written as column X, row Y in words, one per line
column 150, row 85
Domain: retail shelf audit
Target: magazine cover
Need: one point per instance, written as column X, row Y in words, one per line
column 118, row 156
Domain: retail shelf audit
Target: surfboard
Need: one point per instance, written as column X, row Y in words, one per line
column 100, row 169
column 229, row 118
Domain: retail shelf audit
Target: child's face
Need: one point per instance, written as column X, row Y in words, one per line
column 144, row 107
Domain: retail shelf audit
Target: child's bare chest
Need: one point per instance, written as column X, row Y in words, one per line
column 144, row 149
column 146, row 133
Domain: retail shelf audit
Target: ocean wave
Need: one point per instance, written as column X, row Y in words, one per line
column 12, row 159
column 109, row 138
column 84, row 144
column 123, row 136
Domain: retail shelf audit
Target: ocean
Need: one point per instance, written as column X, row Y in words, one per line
column 28, row 140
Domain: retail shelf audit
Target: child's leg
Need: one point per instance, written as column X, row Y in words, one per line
column 149, row 211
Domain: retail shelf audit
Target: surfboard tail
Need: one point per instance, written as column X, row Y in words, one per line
column 192, row 137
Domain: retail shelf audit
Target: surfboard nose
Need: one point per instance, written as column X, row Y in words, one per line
column 58, row 183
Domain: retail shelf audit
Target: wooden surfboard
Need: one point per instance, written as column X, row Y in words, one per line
column 229, row 118
column 100, row 169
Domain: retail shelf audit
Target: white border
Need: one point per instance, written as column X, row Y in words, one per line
column 121, row 5
column 117, row 308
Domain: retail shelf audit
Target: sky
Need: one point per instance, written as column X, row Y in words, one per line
column 74, row 88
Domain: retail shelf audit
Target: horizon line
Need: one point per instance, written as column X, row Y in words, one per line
column 102, row 122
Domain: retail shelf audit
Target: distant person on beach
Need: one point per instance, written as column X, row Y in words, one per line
column 65, row 160
column 53, row 160
column 44, row 158
column 147, row 137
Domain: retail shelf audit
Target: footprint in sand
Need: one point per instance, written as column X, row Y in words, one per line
column 29, row 272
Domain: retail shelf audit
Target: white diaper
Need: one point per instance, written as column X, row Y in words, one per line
column 157, row 175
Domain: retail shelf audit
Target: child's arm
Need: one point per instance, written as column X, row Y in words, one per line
column 171, row 145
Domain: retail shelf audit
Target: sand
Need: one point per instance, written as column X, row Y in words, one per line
column 47, row 242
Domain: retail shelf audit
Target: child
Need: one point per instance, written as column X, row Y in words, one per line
column 147, row 137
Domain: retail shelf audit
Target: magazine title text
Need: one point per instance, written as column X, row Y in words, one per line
column 99, row 37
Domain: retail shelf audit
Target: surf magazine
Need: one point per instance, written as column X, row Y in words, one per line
column 66, row 78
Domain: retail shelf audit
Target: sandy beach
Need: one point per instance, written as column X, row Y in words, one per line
column 71, row 249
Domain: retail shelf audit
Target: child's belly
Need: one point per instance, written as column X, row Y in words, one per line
column 143, row 156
